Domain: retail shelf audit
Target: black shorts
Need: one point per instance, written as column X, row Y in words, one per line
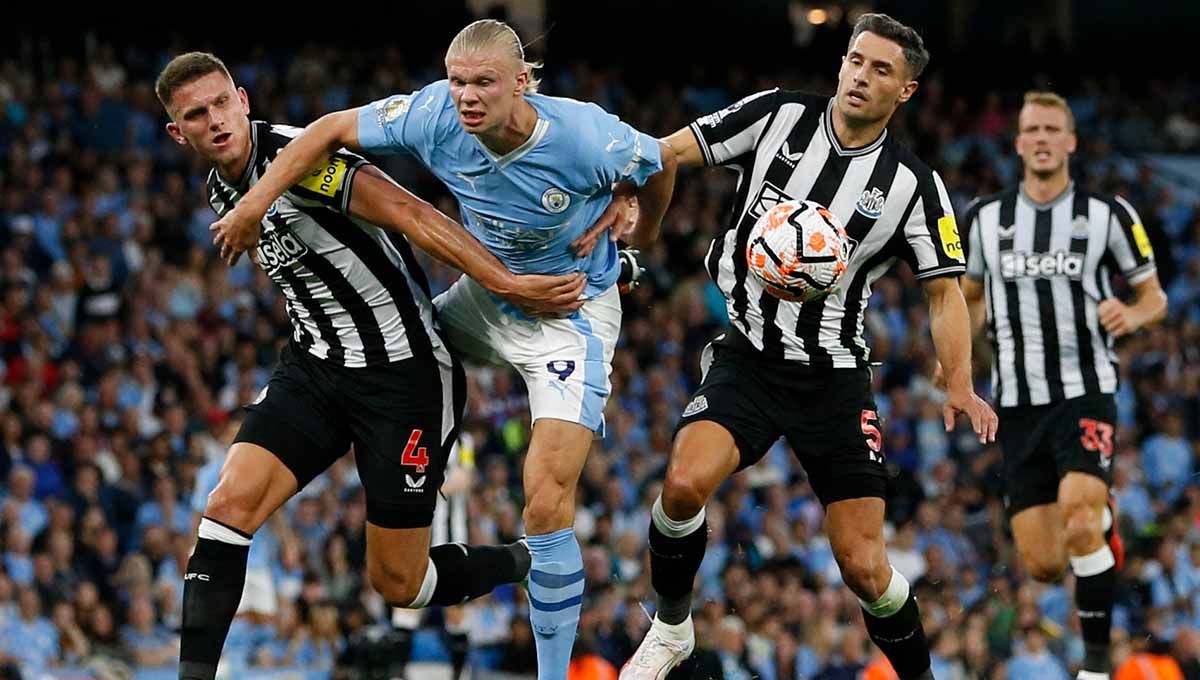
column 402, row 419
column 827, row 415
column 1041, row 444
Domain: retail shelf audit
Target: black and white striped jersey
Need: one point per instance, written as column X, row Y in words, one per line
column 450, row 514
column 355, row 292
column 1045, row 268
column 783, row 147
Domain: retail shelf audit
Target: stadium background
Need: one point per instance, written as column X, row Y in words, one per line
column 126, row 347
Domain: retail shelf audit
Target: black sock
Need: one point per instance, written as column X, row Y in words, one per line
column 212, row 591
column 902, row 639
column 402, row 642
column 465, row 572
column 1094, row 601
column 460, row 645
column 673, row 566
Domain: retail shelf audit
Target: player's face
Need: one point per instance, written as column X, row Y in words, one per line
column 212, row 116
column 485, row 87
column 874, row 79
column 1044, row 139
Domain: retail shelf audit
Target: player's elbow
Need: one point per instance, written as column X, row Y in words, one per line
column 670, row 158
column 335, row 130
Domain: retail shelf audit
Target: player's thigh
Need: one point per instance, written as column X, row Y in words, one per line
column 728, row 424
column 403, row 418
column 1031, row 473
column 397, row 560
column 288, row 437
column 831, row 422
column 470, row 320
column 855, row 530
column 1083, row 432
column 705, row 453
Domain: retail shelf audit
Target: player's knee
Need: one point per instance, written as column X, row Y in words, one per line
column 235, row 504
column 1083, row 531
column 683, row 495
column 399, row 584
column 864, row 573
column 549, row 509
column 1043, row 568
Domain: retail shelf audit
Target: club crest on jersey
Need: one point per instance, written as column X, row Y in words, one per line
column 870, row 203
column 556, row 200
column 279, row 248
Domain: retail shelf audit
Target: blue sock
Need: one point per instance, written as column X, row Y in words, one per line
column 555, row 598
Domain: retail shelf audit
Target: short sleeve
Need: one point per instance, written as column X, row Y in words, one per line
column 329, row 185
column 1129, row 244
column 621, row 153
column 402, row 122
column 728, row 135
column 931, row 233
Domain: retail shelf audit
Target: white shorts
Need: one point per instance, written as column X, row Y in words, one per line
column 565, row 362
column 258, row 596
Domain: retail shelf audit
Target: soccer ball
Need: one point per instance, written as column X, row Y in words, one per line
column 798, row 250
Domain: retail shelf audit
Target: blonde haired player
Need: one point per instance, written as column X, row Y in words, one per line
column 531, row 174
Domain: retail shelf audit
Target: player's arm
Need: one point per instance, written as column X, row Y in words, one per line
column 653, row 197
column 1130, row 246
column 377, row 199
column 238, row 230
column 972, row 283
column 950, row 326
column 687, row 148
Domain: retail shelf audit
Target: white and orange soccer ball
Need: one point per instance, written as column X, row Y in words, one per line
column 798, row 251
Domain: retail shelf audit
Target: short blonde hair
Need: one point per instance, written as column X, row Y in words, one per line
column 1052, row 99
column 488, row 35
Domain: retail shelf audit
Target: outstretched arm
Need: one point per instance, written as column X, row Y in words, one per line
column 238, row 230
column 653, row 198
column 379, row 200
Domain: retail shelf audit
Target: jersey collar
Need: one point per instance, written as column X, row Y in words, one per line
column 539, row 131
column 827, row 124
column 1052, row 202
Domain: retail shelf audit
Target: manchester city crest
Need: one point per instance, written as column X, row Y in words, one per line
column 556, row 200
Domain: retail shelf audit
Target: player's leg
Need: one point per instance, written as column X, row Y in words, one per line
column 404, row 418
column 270, row 459
column 457, row 640
column 842, row 451
column 1084, row 450
column 721, row 431
column 1037, row 531
column 405, row 623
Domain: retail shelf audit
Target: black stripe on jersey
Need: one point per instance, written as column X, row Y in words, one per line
column 854, row 292
column 778, row 173
column 1008, row 219
column 410, row 261
column 371, row 254
column 365, row 324
column 325, row 327
column 808, row 319
column 1083, row 333
column 1043, row 229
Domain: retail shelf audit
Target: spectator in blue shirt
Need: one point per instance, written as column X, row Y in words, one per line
column 31, row 639
column 1167, row 459
column 29, row 513
column 152, row 644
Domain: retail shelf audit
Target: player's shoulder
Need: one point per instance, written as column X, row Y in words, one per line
column 806, row 98
column 980, row 202
column 567, row 113
column 908, row 158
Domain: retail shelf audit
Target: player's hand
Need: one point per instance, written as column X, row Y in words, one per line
column 966, row 402
column 236, row 233
column 631, row 269
column 1116, row 317
column 618, row 219
column 542, row 295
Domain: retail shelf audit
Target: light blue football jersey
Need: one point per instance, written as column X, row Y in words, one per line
column 530, row 204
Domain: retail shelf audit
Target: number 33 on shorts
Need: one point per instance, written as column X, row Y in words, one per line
column 1097, row 436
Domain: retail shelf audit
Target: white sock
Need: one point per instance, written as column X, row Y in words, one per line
column 892, row 600
column 215, row 531
column 672, row 528
column 428, row 585
column 1094, row 563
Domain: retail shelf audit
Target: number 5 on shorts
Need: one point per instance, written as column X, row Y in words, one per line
column 870, row 428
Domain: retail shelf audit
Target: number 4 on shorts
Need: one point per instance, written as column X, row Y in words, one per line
column 412, row 455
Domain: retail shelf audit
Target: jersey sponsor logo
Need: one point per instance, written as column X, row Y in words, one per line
column 870, row 203
column 788, row 157
column 556, row 200
column 768, row 197
column 278, row 248
column 951, row 243
column 1016, row 265
column 697, row 405
column 326, row 180
column 1142, row 240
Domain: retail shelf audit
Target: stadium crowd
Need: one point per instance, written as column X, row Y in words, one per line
column 127, row 348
